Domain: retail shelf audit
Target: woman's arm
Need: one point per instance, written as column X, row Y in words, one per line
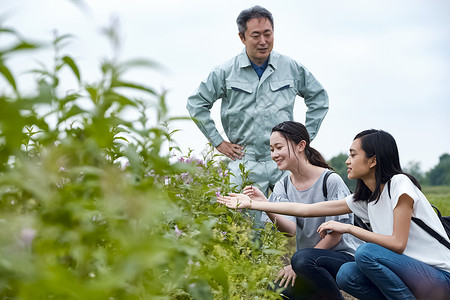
column 395, row 242
column 324, row 208
column 281, row 222
column 329, row 241
column 285, row 225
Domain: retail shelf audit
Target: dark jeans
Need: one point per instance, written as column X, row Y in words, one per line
column 316, row 271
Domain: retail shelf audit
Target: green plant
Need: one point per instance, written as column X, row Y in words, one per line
column 93, row 206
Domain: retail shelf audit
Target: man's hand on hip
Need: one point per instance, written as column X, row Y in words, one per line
column 231, row 150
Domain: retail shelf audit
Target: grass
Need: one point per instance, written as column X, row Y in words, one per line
column 439, row 196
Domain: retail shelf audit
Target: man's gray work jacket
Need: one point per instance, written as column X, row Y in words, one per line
column 252, row 106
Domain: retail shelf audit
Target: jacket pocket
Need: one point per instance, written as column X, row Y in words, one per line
column 240, row 87
column 276, row 86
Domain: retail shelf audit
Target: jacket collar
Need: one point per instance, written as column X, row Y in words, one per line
column 244, row 61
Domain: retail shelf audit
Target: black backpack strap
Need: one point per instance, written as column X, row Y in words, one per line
column 431, row 231
column 325, row 178
column 324, row 186
column 357, row 221
column 286, row 179
column 437, row 211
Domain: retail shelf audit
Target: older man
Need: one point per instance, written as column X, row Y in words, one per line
column 258, row 88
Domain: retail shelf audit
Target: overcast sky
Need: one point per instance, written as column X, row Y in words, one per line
column 385, row 64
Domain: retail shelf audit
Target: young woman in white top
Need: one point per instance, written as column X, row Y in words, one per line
column 400, row 260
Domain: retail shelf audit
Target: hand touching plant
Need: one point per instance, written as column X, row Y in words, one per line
column 237, row 201
column 255, row 194
column 244, row 200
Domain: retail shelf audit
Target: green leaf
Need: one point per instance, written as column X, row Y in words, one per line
column 119, row 98
column 41, row 72
column 11, row 124
column 120, row 138
column 73, row 111
column 8, row 30
column 24, row 46
column 45, row 92
column 93, row 92
column 8, row 76
column 178, row 119
column 162, row 110
column 35, row 120
column 70, row 97
column 107, row 66
column 118, row 83
column 221, row 276
column 70, row 62
column 21, row 45
column 120, row 129
column 61, row 38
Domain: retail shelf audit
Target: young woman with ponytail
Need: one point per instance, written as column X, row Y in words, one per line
column 313, row 268
column 400, row 260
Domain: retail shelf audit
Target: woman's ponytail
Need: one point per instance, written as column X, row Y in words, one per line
column 315, row 158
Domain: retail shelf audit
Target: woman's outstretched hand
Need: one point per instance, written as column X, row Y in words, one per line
column 255, row 194
column 236, row 201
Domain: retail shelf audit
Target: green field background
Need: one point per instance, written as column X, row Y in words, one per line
column 439, row 196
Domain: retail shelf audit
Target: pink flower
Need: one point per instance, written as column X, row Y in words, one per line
column 223, row 173
column 27, row 236
column 125, row 165
column 178, row 232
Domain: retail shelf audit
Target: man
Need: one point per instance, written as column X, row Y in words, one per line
column 258, row 88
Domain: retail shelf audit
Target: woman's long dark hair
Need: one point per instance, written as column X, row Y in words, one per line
column 296, row 132
column 382, row 145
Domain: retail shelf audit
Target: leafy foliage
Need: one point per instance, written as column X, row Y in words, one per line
column 93, row 206
column 339, row 166
column 414, row 169
column 440, row 174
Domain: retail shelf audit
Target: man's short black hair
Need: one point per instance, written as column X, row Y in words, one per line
column 251, row 13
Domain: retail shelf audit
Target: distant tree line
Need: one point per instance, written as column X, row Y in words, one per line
column 438, row 175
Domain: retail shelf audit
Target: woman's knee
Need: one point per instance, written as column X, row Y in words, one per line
column 345, row 275
column 301, row 260
column 365, row 252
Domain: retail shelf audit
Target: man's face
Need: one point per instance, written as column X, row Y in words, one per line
column 258, row 39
